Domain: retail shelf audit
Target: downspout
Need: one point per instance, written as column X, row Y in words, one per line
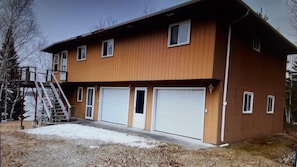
column 227, row 75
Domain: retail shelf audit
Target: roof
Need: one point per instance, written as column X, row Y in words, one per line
column 227, row 10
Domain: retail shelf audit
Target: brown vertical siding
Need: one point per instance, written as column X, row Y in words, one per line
column 146, row 56
column 149, row 108
column 80, row 105
column 131, row 108
column 263, row 74
column 212, row 119
column 96, row 103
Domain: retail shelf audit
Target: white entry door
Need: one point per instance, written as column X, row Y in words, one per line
column 63, row 69
column 90, row 102
column 139, row 108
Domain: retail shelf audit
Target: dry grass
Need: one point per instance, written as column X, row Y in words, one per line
column 21, row 149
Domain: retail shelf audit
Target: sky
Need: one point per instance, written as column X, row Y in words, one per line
column 62, row 19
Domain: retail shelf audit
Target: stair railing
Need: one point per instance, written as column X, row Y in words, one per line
column 59, row 100
column 49, row 108
column 63, row 95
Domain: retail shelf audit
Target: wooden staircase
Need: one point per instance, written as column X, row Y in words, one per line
column 55, row 105
column 54, row 109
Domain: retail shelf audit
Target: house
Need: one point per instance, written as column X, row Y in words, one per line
column 207, row 69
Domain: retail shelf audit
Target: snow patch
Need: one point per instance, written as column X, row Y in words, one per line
column 74, row 131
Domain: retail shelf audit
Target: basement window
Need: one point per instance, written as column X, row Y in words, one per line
column 179, row 33
column 257, row 45
column 248, row 98
column 79, row 94
column 107, row 48
column 270, row 104
column 81, row 53
column 56, row 63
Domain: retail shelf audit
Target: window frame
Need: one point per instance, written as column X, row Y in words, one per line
column 273, row 104
column 102, row 48
column 251, row 102
column 77, row 54
column 56, row 63
column 178, row 32
column 257, row 45
column 80, row 91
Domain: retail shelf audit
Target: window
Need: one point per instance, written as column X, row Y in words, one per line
column 81, row 53
column 107, row 48
column 257, row 45
column 80, row 94
column 270, row 104
column 179, row 33
column 56, row 62
column 248, row 98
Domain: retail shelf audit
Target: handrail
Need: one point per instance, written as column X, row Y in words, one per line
column 46, row 107
column 61, row 91
column 59, row 100
column 46, row 95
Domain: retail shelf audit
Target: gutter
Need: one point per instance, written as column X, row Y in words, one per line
column 227, row 74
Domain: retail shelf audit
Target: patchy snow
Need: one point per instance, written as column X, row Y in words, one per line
column 29, row 108
column 74, row 131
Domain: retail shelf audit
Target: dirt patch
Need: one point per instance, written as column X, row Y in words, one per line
column 21, row 149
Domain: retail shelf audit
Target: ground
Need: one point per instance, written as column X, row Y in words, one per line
column 22, row 149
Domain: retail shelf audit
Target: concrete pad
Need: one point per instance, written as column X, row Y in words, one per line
column 186, row 142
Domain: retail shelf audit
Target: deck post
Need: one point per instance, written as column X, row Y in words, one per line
column 22, row 109
column 27, row 75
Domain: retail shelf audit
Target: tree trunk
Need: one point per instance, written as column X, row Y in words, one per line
column 288, row 115
column 15, row 100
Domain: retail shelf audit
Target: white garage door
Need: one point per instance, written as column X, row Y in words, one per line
column 180, row 111
column 114, row 105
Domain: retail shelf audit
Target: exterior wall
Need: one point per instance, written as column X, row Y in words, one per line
column 210, row 118
column 262, row 73
column 145, row 56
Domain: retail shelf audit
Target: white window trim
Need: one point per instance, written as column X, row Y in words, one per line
column 80, row 90
column 61, row 61
column 273, row 103
column 82, row 59
column 56, row 56
column 188, row 37
column 257, row 45
column 252, row 102
column 102, row 48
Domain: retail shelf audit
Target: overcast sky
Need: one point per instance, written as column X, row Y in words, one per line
column 62, row 19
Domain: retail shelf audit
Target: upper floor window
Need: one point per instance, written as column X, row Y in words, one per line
column 56, row 62
column 248, row 98
column 179, row 33
column 270, row 104
column 257, row 45
column 107, row 48
column 80, row 94
column 81, row 53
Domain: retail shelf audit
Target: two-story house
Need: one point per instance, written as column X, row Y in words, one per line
column 208, row 69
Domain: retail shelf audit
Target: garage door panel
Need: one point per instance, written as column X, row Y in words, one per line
column 180, row 111
column 115, row 104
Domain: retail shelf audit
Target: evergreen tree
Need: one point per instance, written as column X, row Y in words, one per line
column 10, row 65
